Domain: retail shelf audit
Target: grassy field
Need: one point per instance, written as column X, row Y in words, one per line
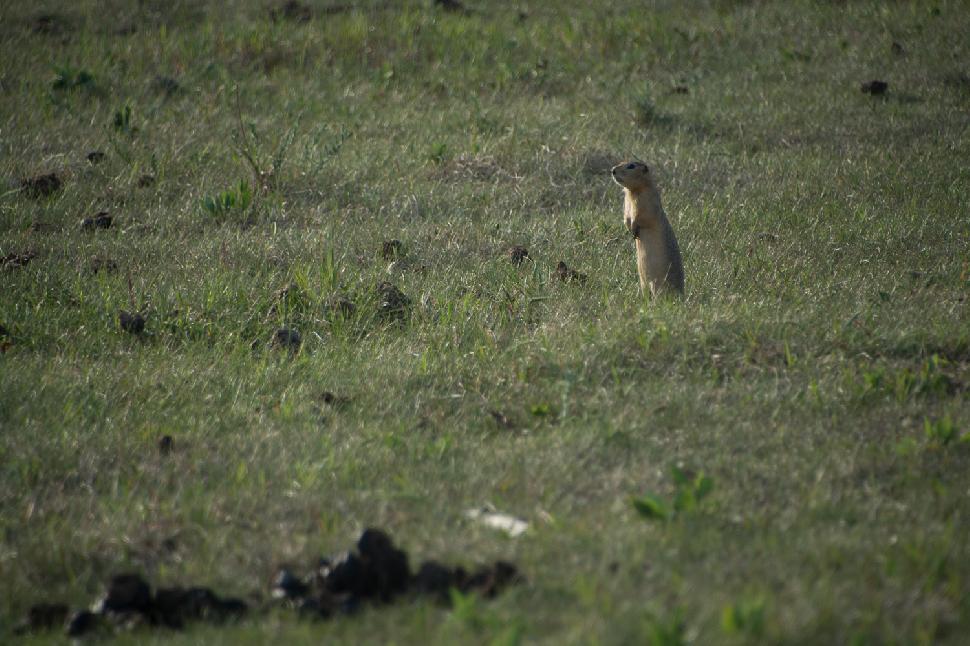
column 814, row 377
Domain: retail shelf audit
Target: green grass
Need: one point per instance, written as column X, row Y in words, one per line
column 816, row 372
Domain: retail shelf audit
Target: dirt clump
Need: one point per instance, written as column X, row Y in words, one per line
column 568, row 275
column 126, row 593
column 100, row 221
column 517, row 254
column 42, row 226
column 291, row 10
column 287, row 585
column 100, row 264
column 377, row 572
column 41, row 185
column 453, row 6
column 15, row 260
column 392, row 302
column 129, row 602
column 81, row 623
column 50, row 24
column 131, row 322
column 95, row 157
column 875, row 87
column 502, row 420
column 331, row 399
column 435, row 579
column 173, row 607
column 287, row 339
column 166, row 85
column 958, row 81
column 43, row 616
column 489, row 580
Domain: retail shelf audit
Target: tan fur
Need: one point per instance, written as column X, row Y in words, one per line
column 658, row 255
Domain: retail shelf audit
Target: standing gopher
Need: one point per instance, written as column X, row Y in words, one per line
column 658, row 256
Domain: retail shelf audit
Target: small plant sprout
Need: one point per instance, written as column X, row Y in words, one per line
column 122, row 119
column 746, row 617
column 541, row 410
column 236, row 199
column 942, row 432
column 667, row 631
column 651, row 507
column 439, row 152
column 68, row 78
column 690, row 490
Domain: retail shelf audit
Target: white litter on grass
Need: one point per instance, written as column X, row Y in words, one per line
column 511, row 525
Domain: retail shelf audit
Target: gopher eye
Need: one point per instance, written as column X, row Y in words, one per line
column 631, row 166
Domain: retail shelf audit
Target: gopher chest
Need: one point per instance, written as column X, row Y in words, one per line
column 629, row 214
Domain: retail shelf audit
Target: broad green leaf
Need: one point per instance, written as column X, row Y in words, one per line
column 651, row 507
